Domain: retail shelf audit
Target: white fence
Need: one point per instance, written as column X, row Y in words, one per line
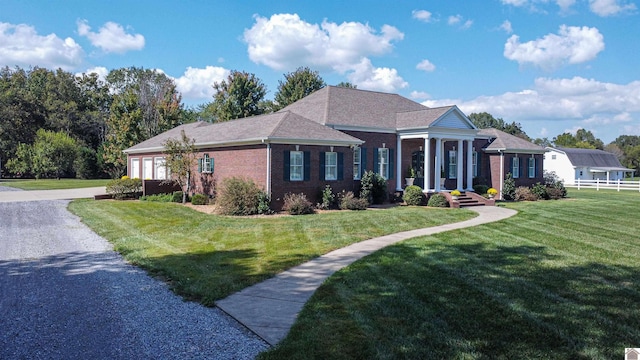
column 606, row 184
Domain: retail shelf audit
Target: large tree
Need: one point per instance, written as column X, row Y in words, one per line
column 485, row 120
column 240, row 95
column 297, row 85
column 51, row 155
column 582, row 139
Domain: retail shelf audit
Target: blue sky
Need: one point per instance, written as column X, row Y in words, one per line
column 552, row 65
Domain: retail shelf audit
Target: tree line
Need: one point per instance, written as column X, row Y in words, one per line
column 57, row 124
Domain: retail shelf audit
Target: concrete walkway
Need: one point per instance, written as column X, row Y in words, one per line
column 37, row 195
column 270, row 308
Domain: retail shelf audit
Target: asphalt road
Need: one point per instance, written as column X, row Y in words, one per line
column 64, row 294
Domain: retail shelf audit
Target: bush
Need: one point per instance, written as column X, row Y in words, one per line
column 523, row 193
column 124, row 188
column 158, row 198
column 328, row 198
column 555, row 193
column 86, row 163
column 297, row 204
column 348, row 201
column 555, row 186
column 480, row 189
column 176, row 197
column 413, row 195
column 199, row 199
column 238, row 196
column 540, row 191
column 438, row 200
column 373, row 187
column 509, row 188
column 264, row 203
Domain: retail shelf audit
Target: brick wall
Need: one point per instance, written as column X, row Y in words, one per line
column 373, row 141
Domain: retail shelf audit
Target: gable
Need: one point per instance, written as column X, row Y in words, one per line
column 454, row 119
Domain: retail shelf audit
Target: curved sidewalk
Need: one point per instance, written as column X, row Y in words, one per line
column 270, row 308
column 38, row 195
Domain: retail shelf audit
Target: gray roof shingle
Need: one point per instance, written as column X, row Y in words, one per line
column 508, row 142
column 592, row 158
column 420, row 118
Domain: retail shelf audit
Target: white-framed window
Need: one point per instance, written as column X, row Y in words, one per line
column 160, row 168
column 553, row 157
column 532, row 167
column 147, row 168
column 383, row 163
column 135, row 168
column 357, row 163
column 475, row 163
column 206, row 164
column 296, row 166
column 515, row 167
column 331, row 166
column 453, row 165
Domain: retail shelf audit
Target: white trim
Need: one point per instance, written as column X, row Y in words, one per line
column 268, row 190
column 398, row 163
column 144, row 167
column 362, row 129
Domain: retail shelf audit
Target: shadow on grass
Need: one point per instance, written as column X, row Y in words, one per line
column 439, row 300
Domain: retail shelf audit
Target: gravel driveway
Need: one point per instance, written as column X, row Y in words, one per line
column 64, row 294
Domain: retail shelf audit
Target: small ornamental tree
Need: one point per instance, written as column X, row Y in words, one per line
column 180, row 158
column 509, row 188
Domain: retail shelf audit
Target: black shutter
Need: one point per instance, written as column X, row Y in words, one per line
column 322, row 165
column 376, row 168
column 340, row 166
column 200, row 162
column 391, row 162
column 363, row 161
column 446, row 166
column 479, row 168
column 287, row 166
column 307, row 165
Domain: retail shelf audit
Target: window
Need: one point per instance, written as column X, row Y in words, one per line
column 383, row 163
column 532, row 167
column 553, row 157
column 357, row 163
column 160, row 168
column 331, row 166
column 206, row 164
column 515, row 168
column 296, row 166
column 453, row 166
column 135, row 169
column 475, row 164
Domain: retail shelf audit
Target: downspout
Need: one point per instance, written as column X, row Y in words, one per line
column 501, row 173
column 268, row 189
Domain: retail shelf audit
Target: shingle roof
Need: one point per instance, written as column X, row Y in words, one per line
column 592, row 158
column 276, row 128
column 333, row 105
column 508, row 142
column 420, row 118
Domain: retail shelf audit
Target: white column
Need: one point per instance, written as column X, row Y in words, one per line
column 427, row 161
column 501, row 174
column 398, row 163
column 459, row 165
column 470, row 165
column 436, row 165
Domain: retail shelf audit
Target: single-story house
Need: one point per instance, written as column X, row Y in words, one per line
column 571, row 164
column 335, row 134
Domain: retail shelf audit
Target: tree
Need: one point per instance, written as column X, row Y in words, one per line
column 485, row 120
column 632, row 157
column 544, row 142
column 240, row 96
column 297, row 85
column 180, row 158
column 123, row 131
column 582, row 139
column 347, row 85
column 52, row 154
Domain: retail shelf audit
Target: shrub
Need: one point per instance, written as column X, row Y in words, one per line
column 264, row 203
column 158, row 198
column 328, row 198
column 124, row 188
column 238, row 196
column 480, row 189
column 348, row 201
column 438, row 200
column 555, row 186
column 199, row 199
column 540, row 191
column 373, row 187
column 86, row 163
column 509, row 188
column 176, row 197
column 523, row 193
column 555, row 193
column 413, row 195
column 297, row 204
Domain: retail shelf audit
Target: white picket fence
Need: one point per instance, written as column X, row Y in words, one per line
column 606, row 184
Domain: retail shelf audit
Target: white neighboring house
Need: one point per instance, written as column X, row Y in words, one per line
column 585, row 164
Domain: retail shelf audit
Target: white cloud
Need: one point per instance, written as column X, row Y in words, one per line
column 534, row 5
column 20, row 45
column 610, row 7
column 426, row 65
column 112, row 38
column 506, row 26
column 197, row 83
column 101, row 71
column 457, row 20
column 572, row 45
column 367, row 77
column 515, row 2
column 285, row 42
column 565, row 5
column 420, row 95
column 422, row 15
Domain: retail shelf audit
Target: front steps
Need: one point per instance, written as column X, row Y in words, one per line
column 468, row 199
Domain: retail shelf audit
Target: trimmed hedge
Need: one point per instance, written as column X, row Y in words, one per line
column 413, row 195
column 124, row 188
column 438, row 200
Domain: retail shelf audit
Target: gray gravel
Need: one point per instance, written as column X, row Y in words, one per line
column 64, row 294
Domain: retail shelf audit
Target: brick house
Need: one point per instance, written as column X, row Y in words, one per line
column 334, row 135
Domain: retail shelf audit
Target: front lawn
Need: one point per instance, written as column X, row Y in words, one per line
column 559, row 280
column 208, row 257
column 52, row 184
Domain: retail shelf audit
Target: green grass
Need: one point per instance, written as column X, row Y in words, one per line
column 52, row 184
column 207, row 257
column 559, row 280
